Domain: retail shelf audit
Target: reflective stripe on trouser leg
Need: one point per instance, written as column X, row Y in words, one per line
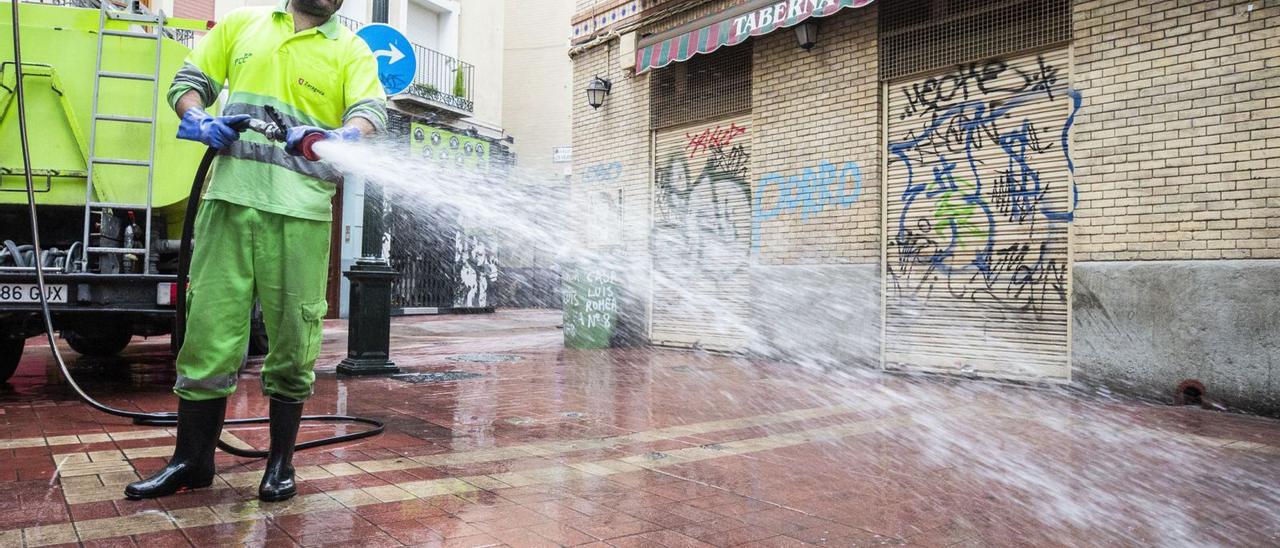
column 220, row 300
column 291, row 258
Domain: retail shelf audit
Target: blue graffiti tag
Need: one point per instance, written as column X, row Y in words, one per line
column 970, row 202
column 605, row 172
column 974, row 120
column 810, row 192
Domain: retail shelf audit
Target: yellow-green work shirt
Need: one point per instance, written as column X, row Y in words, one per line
column 320, row 77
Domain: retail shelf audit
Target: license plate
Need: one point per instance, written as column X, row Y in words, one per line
column 30, row 293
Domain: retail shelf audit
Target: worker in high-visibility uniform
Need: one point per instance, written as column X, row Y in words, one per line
column 264, row 224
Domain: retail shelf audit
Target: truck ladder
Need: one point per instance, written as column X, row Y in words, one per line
column 156, row 23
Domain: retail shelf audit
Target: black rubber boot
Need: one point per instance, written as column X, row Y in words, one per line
column 277, row 481
column 191, row 467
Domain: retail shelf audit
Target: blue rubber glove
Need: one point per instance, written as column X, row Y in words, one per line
column 296, row 133
column 214, row 131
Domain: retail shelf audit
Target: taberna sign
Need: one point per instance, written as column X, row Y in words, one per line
column 784, row 13
column 730, row 27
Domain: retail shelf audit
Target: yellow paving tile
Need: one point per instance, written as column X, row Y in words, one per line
column 308, row 473
column 240, row 511
column 592, row 468
column 388, row 493
column 195, row 517
column 94, row 438
column 242, row 479
column 436, row 487
column 317, row 502
column 118, row 478
column 71, row 458
column 11, row 538
column 93, row 494
column 94, row 468
column 230, row 439
column 82, row 482
column 112, row 455
column 374, row 466
column 353, row 498
column 617, row 466
column 62, row 440
column 21, row 443
column 342, row 469
column 138, row 435
column 161, row 451
column 485, row 482
column 44, row 535
column 136, row 524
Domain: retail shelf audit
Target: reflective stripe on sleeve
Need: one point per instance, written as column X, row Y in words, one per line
column 373, row 110
column 191, row 77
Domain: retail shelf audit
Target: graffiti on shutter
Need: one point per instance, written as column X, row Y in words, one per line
column 701, row 235
column 979, row 204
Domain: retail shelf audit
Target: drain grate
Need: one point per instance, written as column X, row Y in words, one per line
column 484, row 358
column 440, row 376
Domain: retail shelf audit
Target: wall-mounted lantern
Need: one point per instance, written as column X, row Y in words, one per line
column 597, row 89
column 807, row 34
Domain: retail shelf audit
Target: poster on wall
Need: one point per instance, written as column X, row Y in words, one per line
column 474, row 269
column 448, row 148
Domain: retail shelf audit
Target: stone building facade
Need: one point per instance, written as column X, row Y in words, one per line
column 1047, row 190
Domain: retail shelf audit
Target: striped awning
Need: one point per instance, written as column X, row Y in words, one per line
column 732, row 27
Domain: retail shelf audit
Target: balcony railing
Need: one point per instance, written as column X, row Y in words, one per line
column 439, row 78
column 349, row 22
column 442, row 79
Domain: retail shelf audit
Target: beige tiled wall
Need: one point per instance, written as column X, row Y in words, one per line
column 1178, row 144
column 810, row 108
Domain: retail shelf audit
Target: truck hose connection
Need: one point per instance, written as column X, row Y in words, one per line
column 272, row 130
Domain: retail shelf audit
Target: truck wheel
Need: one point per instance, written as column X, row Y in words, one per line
column 10, row 355
column 99, row 343
column 258, row 344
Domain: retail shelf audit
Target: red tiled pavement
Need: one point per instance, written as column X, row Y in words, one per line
column 642, row 447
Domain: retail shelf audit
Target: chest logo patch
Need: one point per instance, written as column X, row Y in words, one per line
column 241, row 60
column 304, row 83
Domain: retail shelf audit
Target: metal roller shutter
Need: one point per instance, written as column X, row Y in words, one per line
column 701, row 235
column 978, row 207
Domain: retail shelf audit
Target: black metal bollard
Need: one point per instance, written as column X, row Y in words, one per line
column 369, row 327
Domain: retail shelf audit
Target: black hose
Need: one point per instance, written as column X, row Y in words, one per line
column 193, row 202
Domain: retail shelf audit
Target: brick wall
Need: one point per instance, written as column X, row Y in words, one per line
column 1178, row 144
column 813, row 113
column 611, row 158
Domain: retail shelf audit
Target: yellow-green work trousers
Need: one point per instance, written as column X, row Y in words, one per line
column 241, row 253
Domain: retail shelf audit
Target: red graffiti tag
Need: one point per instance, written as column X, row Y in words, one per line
column 712, row 138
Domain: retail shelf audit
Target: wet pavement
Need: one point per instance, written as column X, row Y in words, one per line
column 503, row 437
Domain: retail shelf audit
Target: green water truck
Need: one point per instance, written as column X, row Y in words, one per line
column 111, row 181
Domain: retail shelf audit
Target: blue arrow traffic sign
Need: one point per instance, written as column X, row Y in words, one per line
column 396, row 60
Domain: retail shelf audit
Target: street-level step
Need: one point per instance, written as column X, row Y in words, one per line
column 120, row 162
column 117, row 205
column 127, row 76
column 119, row 118
column 131, row 34
column 116, row 250
column 133, row 17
